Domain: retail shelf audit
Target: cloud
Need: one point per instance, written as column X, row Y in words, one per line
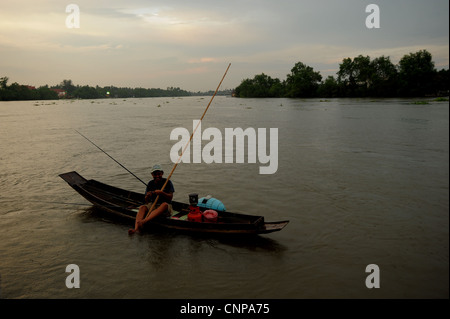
column 202, row 60
column 185, row 43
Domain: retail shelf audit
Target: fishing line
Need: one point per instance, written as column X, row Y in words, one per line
column 112, row 158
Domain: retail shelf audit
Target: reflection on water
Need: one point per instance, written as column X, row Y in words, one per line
column 242, row 241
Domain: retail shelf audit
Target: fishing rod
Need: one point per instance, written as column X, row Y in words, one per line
column 112, row 158
column 187, row 144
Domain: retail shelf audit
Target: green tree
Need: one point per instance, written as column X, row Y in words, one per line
column 3, row 82
column 329, row 87
column 277, row 89
column 302, row 81
column 243, row 89
column 355, row 75
column 3, row 89
column 67, row 86
column 384, row 77
column 440, row 82
column 261, row 85
column 86, row 92
column 21, row 92
column 44, row 93
column 346, row 77
column 416, row 73
column 363, row 69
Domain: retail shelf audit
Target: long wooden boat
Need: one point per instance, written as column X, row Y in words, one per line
column 124, row 203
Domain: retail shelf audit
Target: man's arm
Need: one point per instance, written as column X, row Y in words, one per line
column 166, row 195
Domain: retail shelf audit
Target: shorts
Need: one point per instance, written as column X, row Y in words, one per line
column 168, row 213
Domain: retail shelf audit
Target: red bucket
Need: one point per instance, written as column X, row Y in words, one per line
column 195, row 214
column 195, row 217
column 210, row 216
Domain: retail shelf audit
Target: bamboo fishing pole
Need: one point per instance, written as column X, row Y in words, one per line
column 187, row 144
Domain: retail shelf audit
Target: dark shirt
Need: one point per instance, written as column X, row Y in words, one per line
column 152, row 186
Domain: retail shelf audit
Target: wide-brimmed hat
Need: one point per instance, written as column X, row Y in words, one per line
column 156, row 168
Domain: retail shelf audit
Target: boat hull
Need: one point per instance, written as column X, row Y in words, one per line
column 124, row 204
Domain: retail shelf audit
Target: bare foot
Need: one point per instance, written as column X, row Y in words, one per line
column 131, row 231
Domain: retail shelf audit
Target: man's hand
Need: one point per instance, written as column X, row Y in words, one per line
column 148, row 196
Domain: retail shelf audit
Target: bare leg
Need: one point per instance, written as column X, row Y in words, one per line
column 139, row 220
column 156, row 212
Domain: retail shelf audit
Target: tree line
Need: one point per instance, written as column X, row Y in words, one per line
column 414, row 76
column 16, row 91
column 89, row 92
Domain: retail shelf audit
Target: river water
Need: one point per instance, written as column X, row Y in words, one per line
column 362, row 182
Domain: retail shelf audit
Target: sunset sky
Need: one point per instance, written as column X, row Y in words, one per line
column 188, row 44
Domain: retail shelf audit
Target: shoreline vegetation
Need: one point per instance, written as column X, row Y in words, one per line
column 67, row 90
column 414, row 76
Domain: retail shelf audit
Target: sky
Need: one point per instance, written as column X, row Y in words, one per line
column 189, row 44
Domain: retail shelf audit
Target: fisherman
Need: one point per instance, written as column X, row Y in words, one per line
column 163, row 206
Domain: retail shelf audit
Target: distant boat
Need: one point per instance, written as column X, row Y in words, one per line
column 125, row 204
